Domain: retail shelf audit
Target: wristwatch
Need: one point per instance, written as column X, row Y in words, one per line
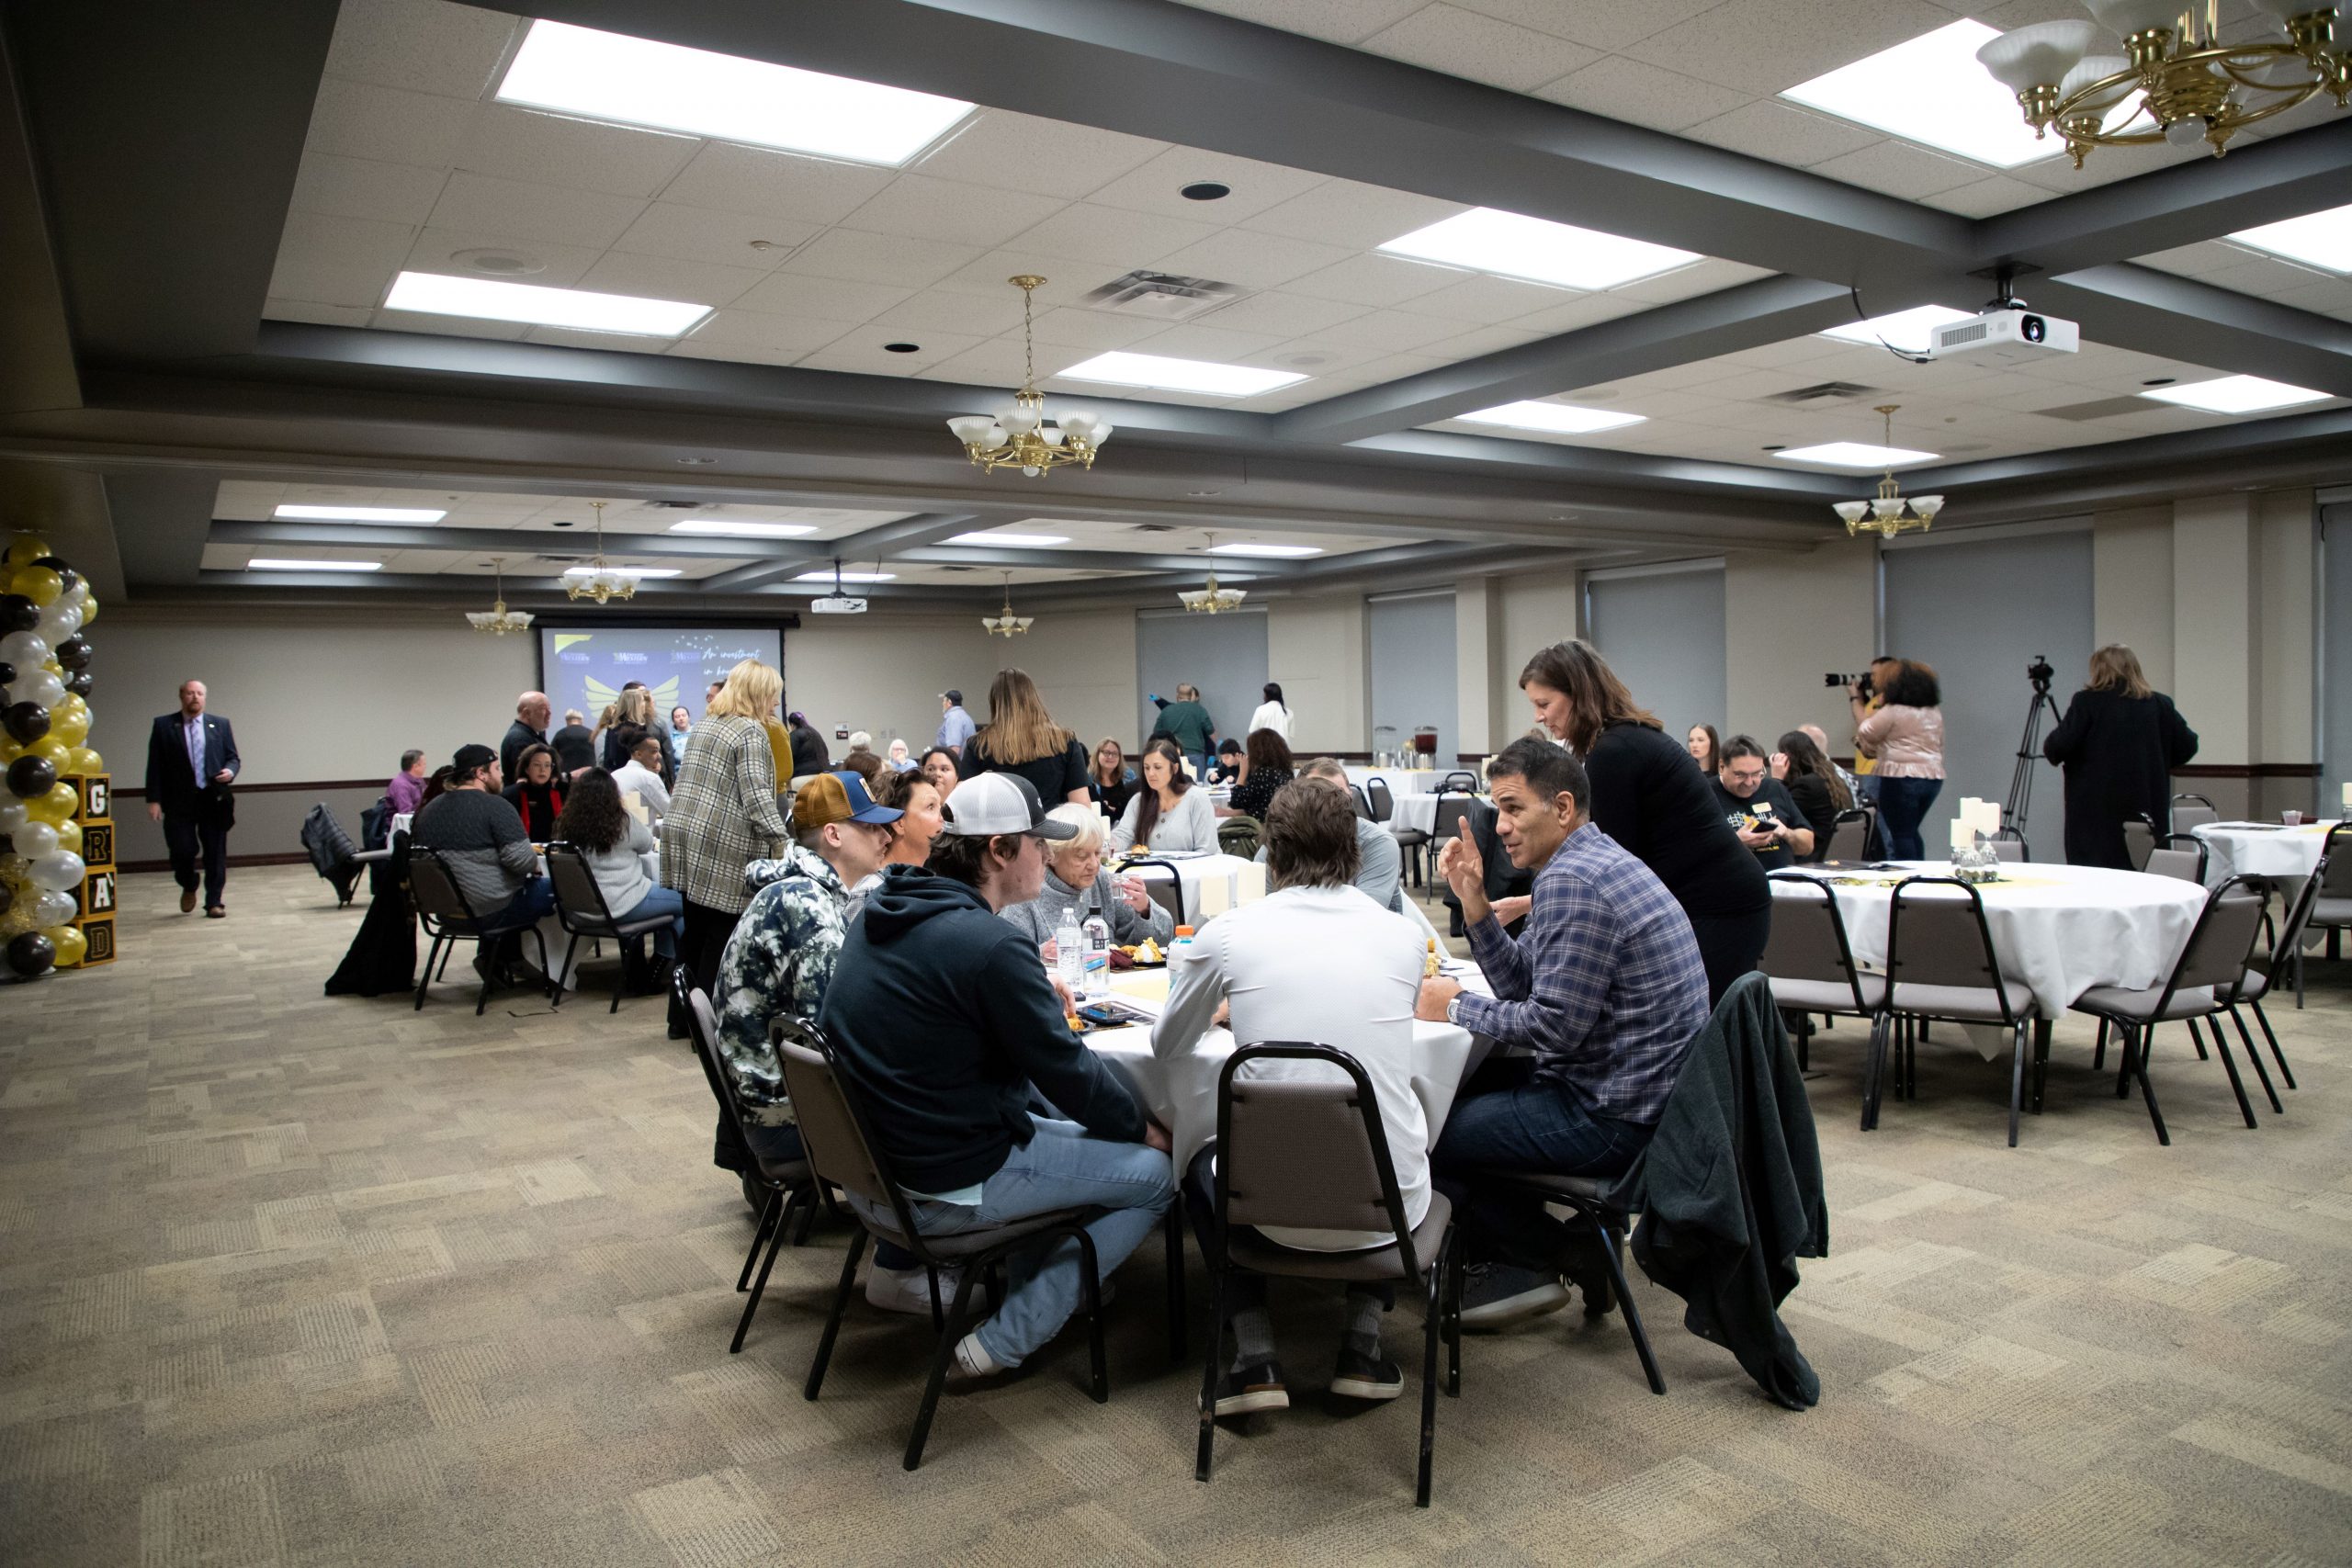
column 1453, row 1004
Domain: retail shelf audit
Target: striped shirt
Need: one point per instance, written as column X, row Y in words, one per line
column 1605, row 986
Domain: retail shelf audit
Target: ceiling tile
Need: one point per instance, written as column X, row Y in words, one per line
column 1157, row 186
column 975, row 315
column 1782, row 133
column 1336, row 21
column 830, row 298
column 1899, row 168
column 1757, row 46
column 360, row 119
column 1603, row 24
column 892, row 259
column 1479, row 48
column 1642, row 94
column 1111, row 237
column 338, row 261
column 1094, row 330
column 357, row 187
column 1194, row 341
column 447, row 326
column 611, row 342
column 1049, row 157
column 1480, row 298
column 320, row 315
column 427, row 45
column 991, row 364
column 512, row 144
column 736, row 350
column 1984, row 199
column 437, row 249
column 666, row 277
column 927, row 209
column 1253, row 260
column 721, row 239
column 1375, row 280
column 1357, row 216
column 1688, row 282
column 861, row 352
column 1068, row 280
column 1394, row 332
column 1280, row 314
column 1587, row 311
column 767, row 184
column 548, row 213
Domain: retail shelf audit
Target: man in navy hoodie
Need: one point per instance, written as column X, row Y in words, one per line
column 942, row 1014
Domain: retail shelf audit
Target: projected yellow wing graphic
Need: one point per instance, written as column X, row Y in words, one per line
column 665, row 697
column 600, row 695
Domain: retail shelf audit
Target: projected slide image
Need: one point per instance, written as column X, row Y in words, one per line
column 586, row 670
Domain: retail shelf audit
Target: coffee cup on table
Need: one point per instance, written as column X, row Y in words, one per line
column 2292, row 819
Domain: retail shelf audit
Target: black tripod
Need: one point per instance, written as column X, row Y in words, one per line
column 2013, row 811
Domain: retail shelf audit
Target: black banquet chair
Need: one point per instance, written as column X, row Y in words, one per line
column 579, row 905
column 448, row 919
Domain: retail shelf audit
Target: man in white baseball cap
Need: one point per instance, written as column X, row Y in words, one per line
column 942, row 1014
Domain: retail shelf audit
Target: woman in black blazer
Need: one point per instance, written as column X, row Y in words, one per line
column 2120, row 741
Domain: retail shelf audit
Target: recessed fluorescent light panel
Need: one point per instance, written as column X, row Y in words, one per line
column 1487, row 239
column 724, row 529
column 848, row 576
column 665, row 87
column 1933, row 91
column 1166, row 375
column 1905, row 330
column 1269, row 552
column 1855, row 455
column 280, row 563
column 2317, row 239
column 1555, row 418
column 492, row 301
column 2237, row 394
column 644, row 571
column 1018, row 541
column 361, row 513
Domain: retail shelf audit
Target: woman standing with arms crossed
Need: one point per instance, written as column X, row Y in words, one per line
column 2120, row 741
column 1648, row 796
column 1906, row 737
column 723, row 816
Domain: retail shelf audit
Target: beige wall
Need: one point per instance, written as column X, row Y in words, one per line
column 2214, row 584
column 2285, row 628
column 1316, row 648
column 2131, row 587
column 1481, row 683
column 1536, row 610
column 1788, row 620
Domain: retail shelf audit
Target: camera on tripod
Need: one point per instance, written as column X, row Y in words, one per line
column 1861, row 683
column 2040, row 672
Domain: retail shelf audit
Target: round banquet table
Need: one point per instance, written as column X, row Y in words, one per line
column 1191, row 871
column 1402, row 781
column 1180, row 1092
column 1419, row 811
column 2059, row 929
column 2261, row 849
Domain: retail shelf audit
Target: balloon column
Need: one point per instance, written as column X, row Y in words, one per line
column 45, row 819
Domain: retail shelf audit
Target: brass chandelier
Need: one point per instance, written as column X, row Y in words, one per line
column 1007, row 624
column 1021, row 436
column 498, row 620
column 602, row 581
column 1889, row 514
column 2194, row 86
column 1211, row 600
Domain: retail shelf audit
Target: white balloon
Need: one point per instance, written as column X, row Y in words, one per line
column 57, row 623
column 59, row 871
column 41, row 686
column 53, row 910
column 33, row 841
column 24, row 649
column 13, row 816
column 78, row 595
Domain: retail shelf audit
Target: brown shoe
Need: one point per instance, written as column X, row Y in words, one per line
column 187, row 900
column 215, row 912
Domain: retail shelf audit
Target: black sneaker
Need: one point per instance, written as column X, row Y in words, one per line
column 1495, row 1295
column 1367, row 1377
column 1252, row 1389
column 1588, row 1270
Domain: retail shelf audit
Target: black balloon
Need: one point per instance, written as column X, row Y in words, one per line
column 17, row 613
column 31, row 777
column 57, row 565
column 25, row 722
column 31, row 954
column 79, row 682
column 73, row 653
column 7, row 674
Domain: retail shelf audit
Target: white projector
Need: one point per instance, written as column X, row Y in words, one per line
column 2008, row 337
column 837, row 605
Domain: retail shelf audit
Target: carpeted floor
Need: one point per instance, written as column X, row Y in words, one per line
column 292, row 1280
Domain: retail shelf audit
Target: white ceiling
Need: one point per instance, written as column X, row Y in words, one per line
column 257, row 501
column 1086, row 534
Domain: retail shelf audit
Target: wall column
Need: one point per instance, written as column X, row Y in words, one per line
column 2214, row 667
column 1479, row 682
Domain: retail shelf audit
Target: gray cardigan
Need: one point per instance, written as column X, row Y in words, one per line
column 1191, row 826
column 1042, row 916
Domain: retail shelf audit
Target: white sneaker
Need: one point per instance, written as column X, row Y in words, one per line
column 971, row 1360
column 908, row 1290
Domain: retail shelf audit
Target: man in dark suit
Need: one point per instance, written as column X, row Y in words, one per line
column 191, row 761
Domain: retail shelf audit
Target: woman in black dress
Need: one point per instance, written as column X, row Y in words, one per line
column 1270, row 769
column 1812, row 783
column 2120, row 741
column 1022, row 737
column 1649, row 797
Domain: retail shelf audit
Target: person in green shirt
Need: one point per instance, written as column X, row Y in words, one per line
column 1187, row 723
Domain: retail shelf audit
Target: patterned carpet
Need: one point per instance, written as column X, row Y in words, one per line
column 294, row 1279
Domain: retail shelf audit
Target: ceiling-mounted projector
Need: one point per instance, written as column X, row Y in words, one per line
column 837, row 605
column 2008, row 334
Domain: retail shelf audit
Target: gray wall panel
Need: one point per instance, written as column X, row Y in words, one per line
column 1413, row 669
column 1224, row 655
column 1664, row 636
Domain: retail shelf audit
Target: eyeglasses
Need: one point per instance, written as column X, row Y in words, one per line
column 1743, row 777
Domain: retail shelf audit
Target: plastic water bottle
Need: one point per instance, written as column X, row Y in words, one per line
column 1070, row 951
column 1181, row 948
column 1098, row 955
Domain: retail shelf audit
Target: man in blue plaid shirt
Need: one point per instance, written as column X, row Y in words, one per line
column 1604, row 990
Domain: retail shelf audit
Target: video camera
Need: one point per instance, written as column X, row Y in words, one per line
column 1860, row 682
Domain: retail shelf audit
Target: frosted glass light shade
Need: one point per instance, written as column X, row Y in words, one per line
column 2097, row 67
column 1851, row 511
column 2036, row 56
column 1019, row 420
column 1883, row 509
column 2124, row 18
column 972, row 429
column 2284, row 9
column 1927, row 505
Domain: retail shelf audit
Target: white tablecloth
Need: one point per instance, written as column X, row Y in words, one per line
column 2059, row 929
column 2255, row 848
column 1181, row 1093
column 1192, row 873
column 1417, row 811
column 1402, row 781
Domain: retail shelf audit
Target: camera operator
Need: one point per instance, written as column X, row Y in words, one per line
column 1904, row 738
column 1865, row 697
column 2118, row 743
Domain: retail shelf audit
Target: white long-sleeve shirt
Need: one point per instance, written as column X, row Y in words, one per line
column 1328, row 967
column 1270, row 716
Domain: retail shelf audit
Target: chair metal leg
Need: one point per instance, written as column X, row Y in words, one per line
column 2267, row 1033
column 2229, row 1066
column 620, row 976
column 1911, row 1059
column 2138, row 1042
column 931, row 1385
column 1431, row 1327
column 938, row 1314
column 1098, row 1367
column 2017, row 1076
column 1178, row 1340
column 833, row 1319
column 555, row 985
column 2099, row 1052
column 1453, row 1320
column 426, row 979
column 2041, row 1082
column 570, row 948
column 1874, row 1068
column 2252, row 1055
column 2127, row 1059
column 481, row 1002
column 759, row 1234
column 1202, row 1452
column 1633, row 1313
column 447, row 954
column 807, row 1218
column 2197, row 1038
column 759, row 1288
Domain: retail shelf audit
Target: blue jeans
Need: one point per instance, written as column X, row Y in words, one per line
column 1902, row 807
column 1528, row 1125
column 1061, row 1168
column 660, row 901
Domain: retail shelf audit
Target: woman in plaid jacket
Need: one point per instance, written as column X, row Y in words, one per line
column 723, row 816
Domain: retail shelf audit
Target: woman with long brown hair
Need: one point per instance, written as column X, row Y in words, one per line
column 2120, row 741
column 1648, row 795
column 1109, row 780
column 1021, row 737
column 1167, row 813
column 1812, row 783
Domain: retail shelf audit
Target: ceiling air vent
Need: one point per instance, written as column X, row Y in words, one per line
column 1162, row 296
column 1823, row 391
column 1155, row 528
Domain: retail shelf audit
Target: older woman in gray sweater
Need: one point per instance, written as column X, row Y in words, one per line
column 1075, row 879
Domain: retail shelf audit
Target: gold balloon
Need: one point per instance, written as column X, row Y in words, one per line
column 10, row 751
column 27, row 548
column 83, row 762
column 71, row 944
column 89, row 609
column 58, row 806
column 39, row 583
column 19, row 919
column 68, row 729
column 51, row 747
column 52, row 666
column 69, row 837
